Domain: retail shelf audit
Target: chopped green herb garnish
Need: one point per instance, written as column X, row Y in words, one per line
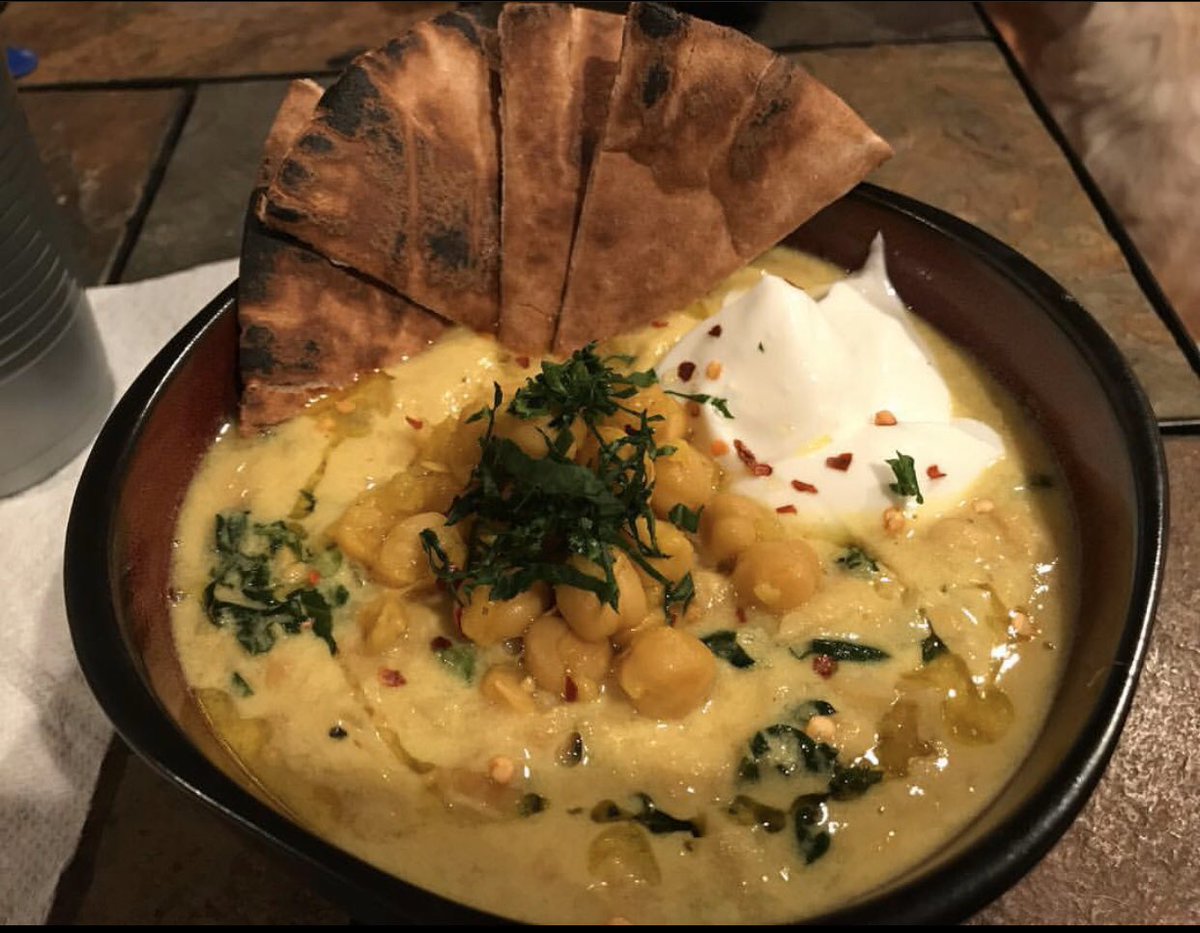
column 243, row 593
column 684, row 518
column 305, row 503
column 809, row 814
column 574, row 752
column 750, row 812
column 931, row 645
column 724, row 645
column 720, row 404
column 839, row 650
column 238, row 682
column 760, row 347
column 857, row 561
column 458, row 658
column 338, row 732
column 805, row 711
column 906, row 477
column 851, row 781
column 531, row 514
column 531, row 804
column 649, row 815
column 786, row 749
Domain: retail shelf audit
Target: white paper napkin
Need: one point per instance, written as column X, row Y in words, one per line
column 52, row 734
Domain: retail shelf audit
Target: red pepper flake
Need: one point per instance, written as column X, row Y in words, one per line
column 415, row 423
column 390, row 677
column 800, row 486
column 693, row 409
column 884, row 418
column 715, row 330
column 840, row 462
column 440, row 643
column 523, row 362
column 825, row 666
column 307, row 625
column 746, row 455
column 658, row 323
column 630, row 430
column 786, row 510
column 570, row 689
column 686, row 370
column 313, row 578
column 934, row 473
column 741, row 616
column 719, row 448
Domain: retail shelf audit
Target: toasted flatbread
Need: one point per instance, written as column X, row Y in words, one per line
column 714, row 149
column 308, row 326
column 293, row 115
column 397, row 174
column 557, row 68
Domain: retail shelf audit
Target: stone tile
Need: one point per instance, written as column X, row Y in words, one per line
column 163, row 858
column 99, row 149
column 967, row 141
column 792, row 25
column 1132, row 857
column 197, row 213
column 146, row 41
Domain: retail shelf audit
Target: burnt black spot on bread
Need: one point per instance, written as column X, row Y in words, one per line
column 285, row 215
column 659, row 22
column 315, row 144
column 259, row 250
column 293, row 175
column 658, row 80
column 773, row 109
column 344, row 106
column 382, row 134
column 398, row 48
column 461, row 23
column 255, row 354
column 449, row 246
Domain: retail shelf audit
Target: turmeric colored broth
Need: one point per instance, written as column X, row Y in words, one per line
column 518, row 801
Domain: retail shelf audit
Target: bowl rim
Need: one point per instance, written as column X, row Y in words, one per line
column 952, row 891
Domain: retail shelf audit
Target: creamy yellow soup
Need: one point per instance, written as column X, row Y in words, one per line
column 806, row 777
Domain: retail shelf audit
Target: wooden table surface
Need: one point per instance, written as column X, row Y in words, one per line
column 150, row 117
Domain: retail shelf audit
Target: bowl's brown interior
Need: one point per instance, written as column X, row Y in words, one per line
column 973, row 301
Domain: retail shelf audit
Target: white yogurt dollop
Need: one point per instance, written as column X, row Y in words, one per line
column 805, row 381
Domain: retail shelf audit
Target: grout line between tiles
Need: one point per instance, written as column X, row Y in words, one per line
column 1179, row 427
column 133, row 227
column 793, row 48
column 1133, row 257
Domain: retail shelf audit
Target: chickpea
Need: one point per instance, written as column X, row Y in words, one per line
column 776, row 575
column 589, row 449
column 488, row 622
column 592, row 620
column 381, row 623
column 731, row 523
column 502, row 686
column 553, row 653
column 361, row 529
column 655, row 403
column 687, row 477
column 666, row 673
column 402, row 562
column 681, row 556
column 527, row 434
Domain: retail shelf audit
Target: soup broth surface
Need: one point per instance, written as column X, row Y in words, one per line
column 588, row 811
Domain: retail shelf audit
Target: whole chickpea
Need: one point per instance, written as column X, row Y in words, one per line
column 553, row 653
column 589, row 449
column 731, row 523
column 488, row 622
column 527, row 434
column 401, row 561
column 687, row 477
column 666, row 673
column 681, row 556
column 592, row 620
column 655, row 403
column 776, row 575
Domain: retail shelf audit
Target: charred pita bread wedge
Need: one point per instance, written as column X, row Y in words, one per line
column 557, row 69
column 397, row 174
column 307, row 326
column 714, row 150
column 293, row 115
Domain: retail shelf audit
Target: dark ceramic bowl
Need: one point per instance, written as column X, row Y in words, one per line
column 1033, row 336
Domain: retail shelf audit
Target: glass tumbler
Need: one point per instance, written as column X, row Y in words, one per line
column 55, row 386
